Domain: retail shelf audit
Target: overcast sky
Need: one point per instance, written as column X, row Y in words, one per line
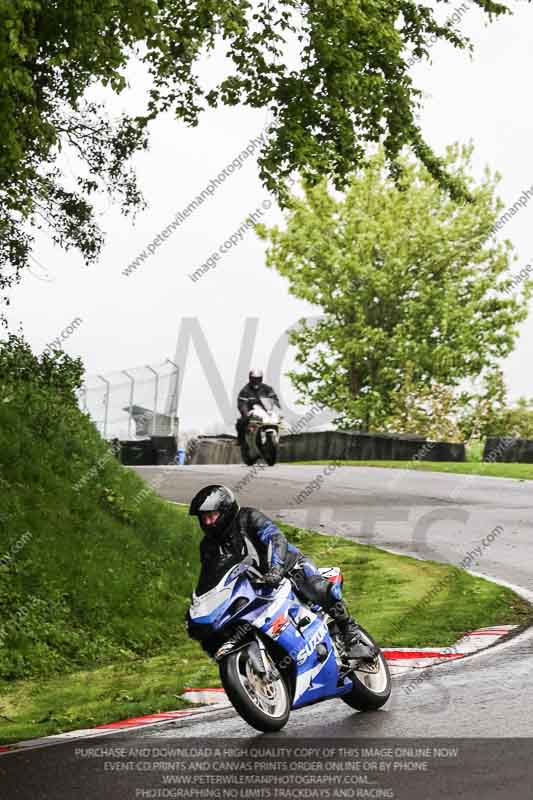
column 129, row 321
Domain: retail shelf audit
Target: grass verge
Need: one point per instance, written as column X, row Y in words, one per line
column 518, row 471
column 401, row 600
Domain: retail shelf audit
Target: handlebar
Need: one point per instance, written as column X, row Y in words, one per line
column 254, row 575
column 256, row 579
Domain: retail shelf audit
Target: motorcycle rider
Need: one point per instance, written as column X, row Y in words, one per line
column 251, row 395
column 231, row 533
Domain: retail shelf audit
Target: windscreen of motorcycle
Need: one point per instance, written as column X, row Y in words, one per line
column 268, row 404
column 213, row 572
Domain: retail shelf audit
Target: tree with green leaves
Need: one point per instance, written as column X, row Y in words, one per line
column 490, row 412
column 409, row 281
column 432, row 410
column 351, row 87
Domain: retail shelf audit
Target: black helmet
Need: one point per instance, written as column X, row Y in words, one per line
column 215, row 498
column 255, row 377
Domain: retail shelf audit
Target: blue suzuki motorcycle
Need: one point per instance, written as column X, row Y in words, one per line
column 276, row 653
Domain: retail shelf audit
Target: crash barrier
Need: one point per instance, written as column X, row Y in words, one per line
column 214, row 450
column 157, row 450
column 333, row 446
column 336, row 445
column 508, row 449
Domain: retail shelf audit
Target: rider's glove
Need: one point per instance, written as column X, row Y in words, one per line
column 274, row 576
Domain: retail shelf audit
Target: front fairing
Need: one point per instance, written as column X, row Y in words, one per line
column 304, row 636
column 235, row 600
column 276, row 615
column 265, row 415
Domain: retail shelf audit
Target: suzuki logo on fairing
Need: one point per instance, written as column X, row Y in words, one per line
column 309, row 648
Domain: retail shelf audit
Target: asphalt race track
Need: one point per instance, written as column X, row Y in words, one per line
column 483, row 697
column 425, row 514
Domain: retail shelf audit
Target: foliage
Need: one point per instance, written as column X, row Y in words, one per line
column 93, row 567
column 485, row 407
column 474, row 451
column 50, row 374
column 447, row 414
column 431, row 411
column 490, row 412
column 516, row 420
column 350, row 86
column 406, row 278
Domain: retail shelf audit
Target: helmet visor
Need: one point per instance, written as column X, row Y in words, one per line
column 212, row 501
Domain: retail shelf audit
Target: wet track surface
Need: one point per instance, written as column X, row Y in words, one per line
column 429, row 515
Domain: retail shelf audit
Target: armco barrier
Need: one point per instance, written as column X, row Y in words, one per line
column 141, row 453
column 508, row 449
column 165, row 448
column 333, row 446
column 215, row 450
column 158, row 450
column 336, row 445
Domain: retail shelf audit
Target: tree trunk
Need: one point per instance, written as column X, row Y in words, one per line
column 354, row 380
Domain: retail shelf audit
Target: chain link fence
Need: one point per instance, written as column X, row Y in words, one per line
column 133, row 403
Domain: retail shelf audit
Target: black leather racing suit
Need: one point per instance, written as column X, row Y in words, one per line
column 248, row 397
column 253, row 534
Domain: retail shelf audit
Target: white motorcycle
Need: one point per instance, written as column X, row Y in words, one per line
column 261, row 437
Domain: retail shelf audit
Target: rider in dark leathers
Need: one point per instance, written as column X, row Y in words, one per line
column 251, row 395
column 232, row 533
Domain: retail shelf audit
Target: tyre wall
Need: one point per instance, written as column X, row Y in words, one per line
column 509, row 450
column 333, row 446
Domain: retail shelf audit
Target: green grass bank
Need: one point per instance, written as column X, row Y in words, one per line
column 520, row 472
column 94, row 566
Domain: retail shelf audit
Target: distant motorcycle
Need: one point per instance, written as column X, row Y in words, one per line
column 261, row 437
column 277, row 653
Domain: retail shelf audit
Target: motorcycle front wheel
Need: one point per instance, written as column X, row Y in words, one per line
column 262, row 702
column 371, row 681
column 270, row 450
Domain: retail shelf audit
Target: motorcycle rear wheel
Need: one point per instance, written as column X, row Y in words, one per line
column 371, row 684
column 245, row 455
column 263, row 703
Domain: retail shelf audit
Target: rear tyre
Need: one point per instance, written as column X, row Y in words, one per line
column 245, row 455
column 262, row 703
column 371, row 681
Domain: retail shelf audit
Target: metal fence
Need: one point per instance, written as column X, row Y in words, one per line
column 134, row 403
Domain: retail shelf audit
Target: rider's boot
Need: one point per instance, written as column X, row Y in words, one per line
column 351, row 634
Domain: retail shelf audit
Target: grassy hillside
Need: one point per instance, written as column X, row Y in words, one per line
column 93, row 566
